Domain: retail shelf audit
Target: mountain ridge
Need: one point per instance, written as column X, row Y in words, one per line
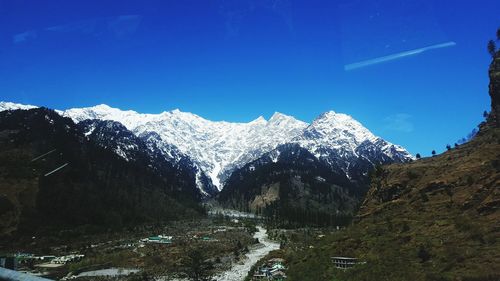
column 218, row 148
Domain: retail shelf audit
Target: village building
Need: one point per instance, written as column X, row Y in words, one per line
column 67, row 258
column 273, row 270
column 159, row 239
column 344, row 262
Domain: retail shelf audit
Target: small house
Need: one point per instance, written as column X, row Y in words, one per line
column 344, row 262
column 160, row 239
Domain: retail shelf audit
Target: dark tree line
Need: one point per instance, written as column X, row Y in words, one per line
column 293, row 217
column 308, row 191
column 492, row 48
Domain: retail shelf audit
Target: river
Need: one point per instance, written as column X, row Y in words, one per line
column 239, row 271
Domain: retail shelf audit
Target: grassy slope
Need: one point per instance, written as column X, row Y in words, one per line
column 432, row 219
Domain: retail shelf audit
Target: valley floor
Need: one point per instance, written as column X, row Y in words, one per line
column 228, row 249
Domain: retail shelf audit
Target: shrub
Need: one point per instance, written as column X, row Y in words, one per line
column 423, row 254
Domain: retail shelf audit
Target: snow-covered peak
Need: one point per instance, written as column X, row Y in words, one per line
column 102, row 107
column 280, row 118
column 14, row 106
column 101, row 112
column 260, row 120
column 331, row 125
column 339, row 136
column 278, row 115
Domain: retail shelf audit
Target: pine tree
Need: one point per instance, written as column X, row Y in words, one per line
column 492, row 48
column 418, row 156
column 448, row 147
column 433, row 153
column 197, row 268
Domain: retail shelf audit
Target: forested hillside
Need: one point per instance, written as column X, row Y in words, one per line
column 53, row 177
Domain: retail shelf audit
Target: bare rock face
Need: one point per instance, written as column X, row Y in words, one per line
column 494, row 73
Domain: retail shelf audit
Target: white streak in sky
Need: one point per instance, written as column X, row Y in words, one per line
column 55, row 170
column 397, row 56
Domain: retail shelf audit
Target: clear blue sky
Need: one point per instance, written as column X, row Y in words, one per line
column 235, row 60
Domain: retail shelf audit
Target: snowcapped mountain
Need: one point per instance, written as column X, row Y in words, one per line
column 335, row 131
column 113, row 135
column 288, row 181
column 324, row 169
column 164, row 151
column 340, row 140
column 217, row 148
column 13, row 106
column 148, row 148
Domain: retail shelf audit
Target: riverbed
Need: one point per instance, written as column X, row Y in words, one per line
column 239, row 271
column 109, row 272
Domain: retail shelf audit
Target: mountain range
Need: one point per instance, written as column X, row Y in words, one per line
column 216, row 149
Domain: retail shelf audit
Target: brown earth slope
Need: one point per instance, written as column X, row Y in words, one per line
column 434, row 219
